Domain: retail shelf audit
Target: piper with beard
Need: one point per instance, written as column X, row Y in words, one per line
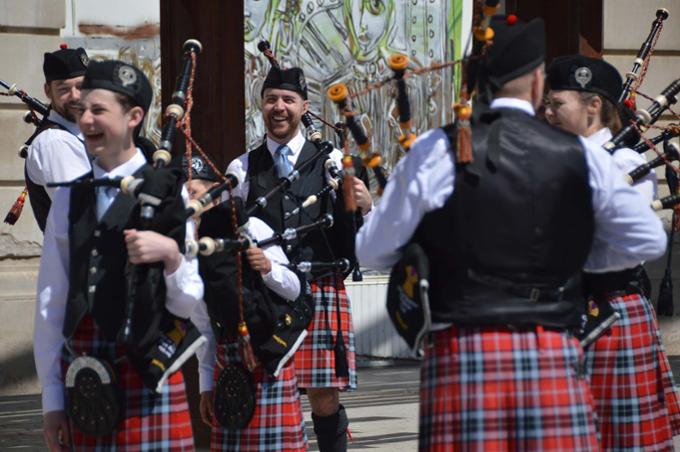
column 629, row 374
column 284, row 101
column 111, row 392
column 56, row 152
column 506, row 236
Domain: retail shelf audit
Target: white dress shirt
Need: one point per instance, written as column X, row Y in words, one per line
column 184, row 287
column 280, row 280
column 627, row 231
column 627, row 160
column 57, row 155
column 239, row 166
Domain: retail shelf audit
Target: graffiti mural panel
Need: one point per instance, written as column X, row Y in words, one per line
column 351, row 41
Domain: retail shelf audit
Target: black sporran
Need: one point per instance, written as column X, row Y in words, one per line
column 94, row 402
column 234, row 402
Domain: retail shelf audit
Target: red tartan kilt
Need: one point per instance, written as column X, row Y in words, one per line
column 632, row 383
column 152, row 421
column 493, row 389
column 315, row 359
column 277, row 424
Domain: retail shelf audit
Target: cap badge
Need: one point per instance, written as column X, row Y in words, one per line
column 583, row 76
column 84, row 59
column 127, row 75
column 197, row 164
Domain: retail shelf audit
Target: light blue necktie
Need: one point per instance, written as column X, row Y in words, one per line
column 105, row 196
column 283, row 165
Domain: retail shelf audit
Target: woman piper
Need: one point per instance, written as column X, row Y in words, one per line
column 110, row 394
column 269, row 415
column 629, row 373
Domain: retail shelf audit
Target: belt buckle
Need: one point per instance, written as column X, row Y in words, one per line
column 535, row 294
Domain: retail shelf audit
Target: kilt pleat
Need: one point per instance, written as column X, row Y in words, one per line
column 494, row 389
column 315, row 359
column 152, row 422
column 635, row 399
column 277, row 424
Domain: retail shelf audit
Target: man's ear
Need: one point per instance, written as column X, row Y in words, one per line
column 136, row 116
column 305, row 106
column 48, row 90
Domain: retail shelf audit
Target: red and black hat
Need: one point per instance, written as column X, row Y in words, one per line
column 65, row 63
column 516, row 49
column 582, row 73
column 292, row 79
column 120, row 77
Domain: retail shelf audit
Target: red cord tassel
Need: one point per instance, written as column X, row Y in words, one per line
column 15, row 212
column 464, row 142
column 246, row 347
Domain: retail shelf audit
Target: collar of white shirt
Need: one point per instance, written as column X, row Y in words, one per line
column 511, row 102
column 295, row 145
column 600, row 137
column 126, row 169
column 72, row 127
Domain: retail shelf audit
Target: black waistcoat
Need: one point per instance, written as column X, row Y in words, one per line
column 98, row 257
column 219, row 272
column 520, row 218
column 312, row 246
column 40, row 200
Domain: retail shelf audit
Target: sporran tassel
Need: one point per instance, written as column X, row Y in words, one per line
column 15, row 212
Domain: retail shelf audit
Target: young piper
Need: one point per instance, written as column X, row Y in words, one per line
column 628, row 370
column 96, row 392
column 277, row 422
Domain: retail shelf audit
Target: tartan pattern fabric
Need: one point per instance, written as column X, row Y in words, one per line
column 631, row 381
column 158, row 422
column 495, row 389
column 315, row 359
column 670, row 390
column 277, row 424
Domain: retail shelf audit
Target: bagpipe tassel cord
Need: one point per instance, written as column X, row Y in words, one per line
column 246, row 345
column 339, row 349
column 483, row 34
column 664, row 305
column 464, row 133
column 15, row 212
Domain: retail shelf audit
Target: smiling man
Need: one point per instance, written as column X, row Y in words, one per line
column 284, row 101
column 56, row 152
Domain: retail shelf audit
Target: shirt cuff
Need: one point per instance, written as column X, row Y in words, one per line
column 53, row 398
column 205, row 381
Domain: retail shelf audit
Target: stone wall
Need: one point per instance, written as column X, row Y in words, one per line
column 27, row 29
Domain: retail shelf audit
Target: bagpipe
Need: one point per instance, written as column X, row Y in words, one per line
column 155, row 352
column 35, row 108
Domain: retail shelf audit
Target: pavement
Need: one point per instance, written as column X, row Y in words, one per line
column 383, row 412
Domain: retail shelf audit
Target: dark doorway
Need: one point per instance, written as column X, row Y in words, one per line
column 571, row 26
